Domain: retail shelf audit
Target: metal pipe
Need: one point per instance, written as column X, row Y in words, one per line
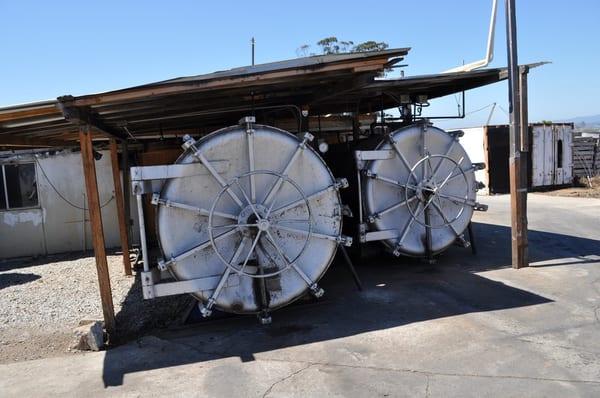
column 5, row 187
column 514, row 107
column 140, row 206
column 489, row 56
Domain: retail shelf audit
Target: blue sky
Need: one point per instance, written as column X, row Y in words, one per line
column 52, row 48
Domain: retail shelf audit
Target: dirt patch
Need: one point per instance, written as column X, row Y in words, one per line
column 581, row 189
column 43, row 300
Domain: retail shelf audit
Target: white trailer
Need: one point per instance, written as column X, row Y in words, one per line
column 550, row 159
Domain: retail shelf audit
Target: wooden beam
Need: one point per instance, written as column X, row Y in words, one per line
column 126, row 196
column 45, row 110
column 83, row 115
column 93, row 199
column 120, row 206
column 31, row 142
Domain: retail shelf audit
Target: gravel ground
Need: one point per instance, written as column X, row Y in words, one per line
column 580, row 190
column 42, row 301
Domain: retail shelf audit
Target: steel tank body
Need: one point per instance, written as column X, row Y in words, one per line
column 418, row 196
column 272, row 219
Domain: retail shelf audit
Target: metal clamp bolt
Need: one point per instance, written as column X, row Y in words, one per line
column 397, row 251
column 373, row 217
column 188, row 142
column 463, row 241
column 316, row 290
column 369, row 173
column 162, row 265
column 344, row 240
column 206, row 310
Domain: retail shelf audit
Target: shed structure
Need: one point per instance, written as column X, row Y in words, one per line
column 296, row 92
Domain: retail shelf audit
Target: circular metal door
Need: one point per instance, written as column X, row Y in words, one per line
column 425, row 193
column 267, row 219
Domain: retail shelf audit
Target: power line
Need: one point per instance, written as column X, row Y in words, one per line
column 480, row 109
column 61, row 195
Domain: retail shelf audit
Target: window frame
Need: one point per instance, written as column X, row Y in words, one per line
column 3, row 182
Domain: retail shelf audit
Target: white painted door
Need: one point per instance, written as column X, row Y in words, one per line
column 563, row 161
column 537, row 158
column 542, row 156
column 549, row 147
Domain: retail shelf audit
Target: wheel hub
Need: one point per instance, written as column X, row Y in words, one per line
column 263, row 224
column 425, row 190
column 248, row 217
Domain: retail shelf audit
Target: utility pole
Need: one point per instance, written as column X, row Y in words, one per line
column 518, row 132
column 253, row 44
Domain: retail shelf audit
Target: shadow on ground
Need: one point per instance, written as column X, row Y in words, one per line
column 396, row 292
column 12, row 279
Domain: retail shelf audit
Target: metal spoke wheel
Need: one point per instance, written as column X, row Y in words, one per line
column 429, row 190
column 261, row 220
column 258, row 222
column 425, row 193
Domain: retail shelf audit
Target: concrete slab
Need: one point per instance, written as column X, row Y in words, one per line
column 467, row 326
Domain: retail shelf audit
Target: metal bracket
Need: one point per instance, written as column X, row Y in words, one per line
column 479, row 185
column 143, row 176
column 344, row 240
column 362, row 232
column 247, row 120
column 381, row 235
column 340, row 183
column 361, row 157
column 456, row 133
column 347, row 211
column 479, row 166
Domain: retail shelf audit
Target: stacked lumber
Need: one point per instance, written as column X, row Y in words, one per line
column 586, row 156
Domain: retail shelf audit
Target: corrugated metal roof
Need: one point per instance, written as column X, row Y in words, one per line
column 325, row 84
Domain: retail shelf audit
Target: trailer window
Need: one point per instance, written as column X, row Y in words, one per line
column 18, row 186
column 559, row 154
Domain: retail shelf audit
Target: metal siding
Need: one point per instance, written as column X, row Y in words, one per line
column 57, row 226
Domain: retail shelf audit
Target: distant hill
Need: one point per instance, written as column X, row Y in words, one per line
column 585, row 121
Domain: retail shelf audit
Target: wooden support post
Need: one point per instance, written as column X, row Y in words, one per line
column 355, row 127
column 93, row 199
column 517, row 160
column 126, row 186
column 120, row 206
